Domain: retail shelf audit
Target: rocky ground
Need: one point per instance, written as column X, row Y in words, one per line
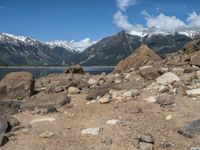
column 145, row 107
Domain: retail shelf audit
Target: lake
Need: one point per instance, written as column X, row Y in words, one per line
column 43, row 71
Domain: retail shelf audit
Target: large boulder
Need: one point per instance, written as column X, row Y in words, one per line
column 149, row 72
column 190, row 129
column 76, row 69
column 17, row 85
column 167, row 78
column 42, row 100
column 141, row 57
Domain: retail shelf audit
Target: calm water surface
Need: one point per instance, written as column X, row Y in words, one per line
column 43, row 71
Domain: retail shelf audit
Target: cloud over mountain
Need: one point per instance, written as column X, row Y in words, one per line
column 161, row 22
column 124, row 4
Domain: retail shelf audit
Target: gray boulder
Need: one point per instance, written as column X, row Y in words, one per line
column 17, row 85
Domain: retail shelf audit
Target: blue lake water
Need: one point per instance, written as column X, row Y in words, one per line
column 43, row 71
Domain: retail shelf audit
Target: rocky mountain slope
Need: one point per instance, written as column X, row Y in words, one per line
column 141, row 57
column 19, row 50
column 110, row 50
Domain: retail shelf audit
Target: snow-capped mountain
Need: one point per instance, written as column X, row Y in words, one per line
column 78, row 46
column 154, row 31
column 21, row 50
column 110, row 50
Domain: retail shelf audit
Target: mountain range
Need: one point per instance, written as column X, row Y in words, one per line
column 20, row 50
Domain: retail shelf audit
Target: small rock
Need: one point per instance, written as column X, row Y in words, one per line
column 47, row 134
column 92, row 81
column 163, row 89
column 73, row 90
column 3, row 125
column 191, row 129
column 45, row 111
column 50, row 119
column 59, row 89
column 76, row 69
column 91, row 131
column 151, row 99
column 164, row 100
column 166, row 144
column 135, row 110
column 168, row 117
column 63, row 100
column 108, row 141
column 105, row 99
column 3, row 140
column 144, row 142
column 146, row 137
column 167, row 78
column 12, row 122
column 193, row 92
column 146, row 146
column 113, row 122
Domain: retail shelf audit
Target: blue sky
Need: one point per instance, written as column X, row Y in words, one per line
column 49, row 20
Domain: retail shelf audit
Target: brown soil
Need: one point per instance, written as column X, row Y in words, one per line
column 71, row 121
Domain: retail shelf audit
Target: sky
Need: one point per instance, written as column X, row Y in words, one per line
column 49, row 20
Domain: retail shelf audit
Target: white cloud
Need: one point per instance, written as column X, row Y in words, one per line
column 194, row 19
column 163, row 22
column 124, row 4
column 122, row 22
column 82, row 44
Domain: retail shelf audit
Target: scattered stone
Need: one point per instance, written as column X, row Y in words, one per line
column 189, row 69
column 47, row 134
column 91, row 131
column 135, row 110
column 169, row 117
column 146, row 137
column 73, row 90
column 92, row 81
column 59, row 89
column 113, row 122
column 108, row 141
column 167, row 78
column 190, row 129
column 3, row 139
column 17, row 85
column 97, row 93
column 3, row 125
column 163, row 89
column 149, row 72
column 45, row 111
column 164, row 100
column 12, row 122
column 63, row 100
column 105, row 99
column 178, row 71
column 83, row 84
column 76, row 69
column 144, row 142
column 165, row 144
column 151, row 99
column 44, row 119
column 193, row 92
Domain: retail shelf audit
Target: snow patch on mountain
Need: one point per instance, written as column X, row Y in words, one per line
column 73, row 45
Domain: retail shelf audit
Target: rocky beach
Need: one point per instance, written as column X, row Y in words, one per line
column 146, row 103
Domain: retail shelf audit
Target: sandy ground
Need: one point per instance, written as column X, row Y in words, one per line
column 71, row 121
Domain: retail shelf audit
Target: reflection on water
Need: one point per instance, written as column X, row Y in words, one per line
column 43, row 71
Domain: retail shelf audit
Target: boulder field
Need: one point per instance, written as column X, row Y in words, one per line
column 145, row 107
